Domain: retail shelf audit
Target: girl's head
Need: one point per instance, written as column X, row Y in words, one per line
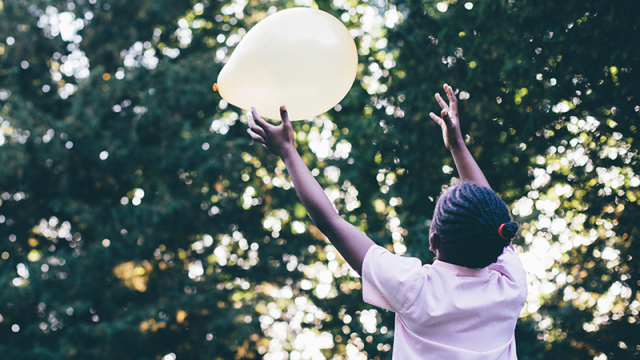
column 471, row 226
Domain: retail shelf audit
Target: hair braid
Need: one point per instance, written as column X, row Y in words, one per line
column 468, row 219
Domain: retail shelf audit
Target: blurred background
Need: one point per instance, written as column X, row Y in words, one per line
column 139, row 221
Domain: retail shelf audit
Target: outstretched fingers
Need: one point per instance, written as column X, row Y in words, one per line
column 255, row 136
column 453, row 101
column 258, row 120
column 255, row 128
column 258, row 127
column 441, row 102
column 437, row 119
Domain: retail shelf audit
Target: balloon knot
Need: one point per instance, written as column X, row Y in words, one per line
column 215, row 87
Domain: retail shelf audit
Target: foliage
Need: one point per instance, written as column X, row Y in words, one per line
column 138, row 221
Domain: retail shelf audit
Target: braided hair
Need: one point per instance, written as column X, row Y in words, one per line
column 473, row 224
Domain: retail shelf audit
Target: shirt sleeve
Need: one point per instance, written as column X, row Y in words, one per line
column 390, row 281
column 509, row 265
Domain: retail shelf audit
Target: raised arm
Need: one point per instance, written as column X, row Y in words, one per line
column 352, row 243
column 450, row 124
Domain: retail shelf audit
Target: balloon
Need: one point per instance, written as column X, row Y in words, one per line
column 302, row 58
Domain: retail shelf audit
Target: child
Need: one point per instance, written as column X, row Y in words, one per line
column 465, row 305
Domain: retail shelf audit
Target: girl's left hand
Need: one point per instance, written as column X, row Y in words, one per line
column 449, row 121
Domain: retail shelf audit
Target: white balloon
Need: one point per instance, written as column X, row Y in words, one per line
column 302, row 58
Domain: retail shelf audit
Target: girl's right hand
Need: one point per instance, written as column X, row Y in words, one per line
column 277, row 139
column 448, row 120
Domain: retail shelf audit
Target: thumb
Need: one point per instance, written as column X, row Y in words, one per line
column 284, row 115
column 438, row 121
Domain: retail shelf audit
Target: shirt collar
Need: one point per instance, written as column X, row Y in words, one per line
column 461, row 270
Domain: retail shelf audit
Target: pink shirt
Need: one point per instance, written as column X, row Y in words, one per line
column 446, row 311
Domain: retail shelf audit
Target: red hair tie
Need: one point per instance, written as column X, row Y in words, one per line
column 500, row 232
